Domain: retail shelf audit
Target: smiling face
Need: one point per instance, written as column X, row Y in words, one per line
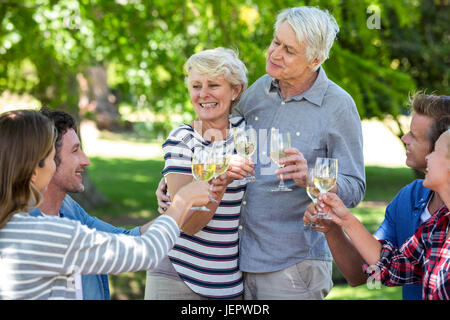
column 416, row 141
column 286, row 58
column 73, row 160
column 211, row 97
column 437, row 175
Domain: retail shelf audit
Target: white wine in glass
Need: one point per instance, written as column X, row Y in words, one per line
column 245, row 140
column 325, row 177
column 203, row 168
column 203, row 171
column 312, row 191
column 223, row 152
column 279, row 141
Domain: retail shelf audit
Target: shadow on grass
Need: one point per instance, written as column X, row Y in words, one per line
column 129, row 184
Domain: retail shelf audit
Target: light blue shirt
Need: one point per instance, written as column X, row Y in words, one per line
column 95, row 287
column 323, row 122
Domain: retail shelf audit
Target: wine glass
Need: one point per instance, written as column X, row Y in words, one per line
column 245, row 140
column 203, row 168
column 222, row 156
column 279, row 141
column 325, row 177
column 312, row 191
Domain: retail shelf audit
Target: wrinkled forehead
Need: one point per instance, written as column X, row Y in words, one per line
column 199, row 76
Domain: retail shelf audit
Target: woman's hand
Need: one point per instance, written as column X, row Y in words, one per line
column 309, row 219
column 195, row 193
column 333, row 206
column 295, row 167
column 192, row 194
column 239, row 168
column 219, row 186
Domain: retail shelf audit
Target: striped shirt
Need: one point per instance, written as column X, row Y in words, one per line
column 39, row 256
column 207, row 262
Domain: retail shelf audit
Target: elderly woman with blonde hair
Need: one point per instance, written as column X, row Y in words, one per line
column 204, row 262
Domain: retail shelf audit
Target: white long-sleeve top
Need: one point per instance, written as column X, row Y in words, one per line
column 39, row 256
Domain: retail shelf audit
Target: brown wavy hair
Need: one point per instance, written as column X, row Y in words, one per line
column 26, row 139
column 435, row 107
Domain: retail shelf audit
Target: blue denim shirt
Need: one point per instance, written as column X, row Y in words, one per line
column 401, row 220
column 323, row 122
column 95, row 286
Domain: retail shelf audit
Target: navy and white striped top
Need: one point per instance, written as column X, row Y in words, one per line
column 207, row 261
column 39, row 256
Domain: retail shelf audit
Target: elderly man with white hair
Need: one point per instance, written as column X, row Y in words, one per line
column 282, row 258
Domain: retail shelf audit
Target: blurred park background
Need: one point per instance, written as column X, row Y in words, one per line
column 117, row 66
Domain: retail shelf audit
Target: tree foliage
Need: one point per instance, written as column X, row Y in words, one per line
column 143, row 44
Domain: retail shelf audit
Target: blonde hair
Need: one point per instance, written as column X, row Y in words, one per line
column 26, row 139
column 219, row 62
column 318, row 28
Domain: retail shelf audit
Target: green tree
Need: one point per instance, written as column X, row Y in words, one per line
column 143, row 45
column 99, row 53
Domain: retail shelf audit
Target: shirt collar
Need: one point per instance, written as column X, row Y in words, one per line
column 315, row 94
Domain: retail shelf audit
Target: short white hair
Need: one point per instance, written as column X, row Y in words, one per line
column 318, row 28
column 219, row 62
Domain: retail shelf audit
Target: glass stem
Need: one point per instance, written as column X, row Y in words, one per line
column 281, row 181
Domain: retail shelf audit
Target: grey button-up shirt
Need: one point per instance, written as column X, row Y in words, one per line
column 323, row 122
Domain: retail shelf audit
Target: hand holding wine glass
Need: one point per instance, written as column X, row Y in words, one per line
column 279, row 141
column 203, row 168
column 245, row 141
column 222, row 156
column 325, row 177
column 312, row 191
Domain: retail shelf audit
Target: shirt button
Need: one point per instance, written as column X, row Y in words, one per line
column 240, row 227
column 283, row 102
column 297, row 133
column 256, row 118
column 244, row 202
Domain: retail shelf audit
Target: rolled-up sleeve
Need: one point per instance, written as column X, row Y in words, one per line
column 396, row 266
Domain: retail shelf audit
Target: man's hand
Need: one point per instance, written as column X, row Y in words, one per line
column 163, row 199
column 295, row 167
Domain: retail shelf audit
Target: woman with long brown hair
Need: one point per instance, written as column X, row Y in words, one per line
column 40, row 256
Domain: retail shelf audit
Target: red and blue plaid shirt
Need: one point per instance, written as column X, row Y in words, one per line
column 424, row 258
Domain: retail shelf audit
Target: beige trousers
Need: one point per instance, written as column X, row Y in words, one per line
column 162, row 288
column 306, row 280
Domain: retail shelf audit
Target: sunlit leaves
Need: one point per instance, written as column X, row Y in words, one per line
column 144, row 44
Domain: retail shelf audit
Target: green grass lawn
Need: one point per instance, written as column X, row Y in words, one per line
column 130, row 184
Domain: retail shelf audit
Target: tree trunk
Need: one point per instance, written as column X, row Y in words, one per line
column 91, row 198
column 97, row 100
